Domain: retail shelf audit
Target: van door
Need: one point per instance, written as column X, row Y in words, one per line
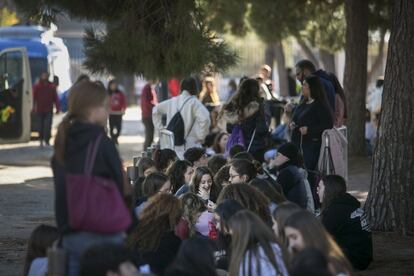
column 15, row 96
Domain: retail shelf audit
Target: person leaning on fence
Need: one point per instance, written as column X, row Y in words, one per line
column 195, row 115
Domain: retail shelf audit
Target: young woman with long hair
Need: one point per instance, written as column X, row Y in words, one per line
column 345, row 220
column 242, row 171
column 84, row 122
column 254, row 247
column 310, row 119
column 193, row 206
column 221, row 178
column 303, row 230
column 146, row 166
column 203, row 184
column 154, row 236
column 246, row 110
column 210, row 99
column 153, row 184
column 279, row 217
column 40, row 240
column 250, row 198
column 220, row 142
column 222, row 215
column 180, row 173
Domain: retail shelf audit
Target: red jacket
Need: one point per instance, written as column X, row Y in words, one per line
column 148, row 101
column 174, row 87
column 117, row 103
column 44, row 96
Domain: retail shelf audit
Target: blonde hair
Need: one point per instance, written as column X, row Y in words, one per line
column 213, row 94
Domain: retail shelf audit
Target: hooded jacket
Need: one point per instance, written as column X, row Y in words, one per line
column 254, row 118
column 291, row 179
column 346, row 222
column 107, row 164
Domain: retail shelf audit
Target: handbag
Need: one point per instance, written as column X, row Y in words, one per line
column 95, row 203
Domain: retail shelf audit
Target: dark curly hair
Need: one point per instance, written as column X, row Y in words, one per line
column 176, row 172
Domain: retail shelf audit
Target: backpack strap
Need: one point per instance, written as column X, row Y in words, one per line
column 91, row 154
column 186, row 100
column 251, row 140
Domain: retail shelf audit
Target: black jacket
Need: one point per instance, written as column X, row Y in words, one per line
column 317, row 117
column 328, row 86
column 292, row 183
column 107, row 164
column 255, row 118
column 164, row 255
column 346, row 222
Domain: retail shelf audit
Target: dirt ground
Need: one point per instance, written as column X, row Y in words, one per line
column 26, row 200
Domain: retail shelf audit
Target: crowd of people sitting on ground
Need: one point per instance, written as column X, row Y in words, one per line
column 239, row 205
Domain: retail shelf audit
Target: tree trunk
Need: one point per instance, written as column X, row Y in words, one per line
column 377, row 64
column 390, row 204
column 281, row 69
column 307, row 51
column 328, row 61
column 355, row 76
column 270, row 56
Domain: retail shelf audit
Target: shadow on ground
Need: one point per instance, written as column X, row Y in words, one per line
column 22, row 207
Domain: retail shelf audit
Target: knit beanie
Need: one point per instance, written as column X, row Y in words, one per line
column 290, row 151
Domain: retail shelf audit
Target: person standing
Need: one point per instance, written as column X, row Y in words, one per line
column 245, row 113
column 310, row 119
column 117, row 106
column 148, row 101
column 82, row 149
column 304, row 68
column 44, row 96
column 195, row 115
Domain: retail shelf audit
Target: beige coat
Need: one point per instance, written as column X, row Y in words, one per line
column 195, row 115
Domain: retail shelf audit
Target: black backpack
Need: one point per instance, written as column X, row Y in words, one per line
column 177, row 127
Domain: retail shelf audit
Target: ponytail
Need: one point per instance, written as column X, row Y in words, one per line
column 60, row 139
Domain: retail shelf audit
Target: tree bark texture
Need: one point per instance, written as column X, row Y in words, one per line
column 390, row 203
column 355, row 76
column 328, row 61
column 281, row 69
column 307, row 51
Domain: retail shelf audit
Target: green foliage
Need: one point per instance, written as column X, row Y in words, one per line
column 380, row 13
column 321, row 23
column 275, row 20
column 227, row 16
column 153, row 38
column 326, row 26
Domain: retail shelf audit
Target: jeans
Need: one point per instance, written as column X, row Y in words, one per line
column 78, row 243
column 45, row 126
column 115, row 126
column 149, row 131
